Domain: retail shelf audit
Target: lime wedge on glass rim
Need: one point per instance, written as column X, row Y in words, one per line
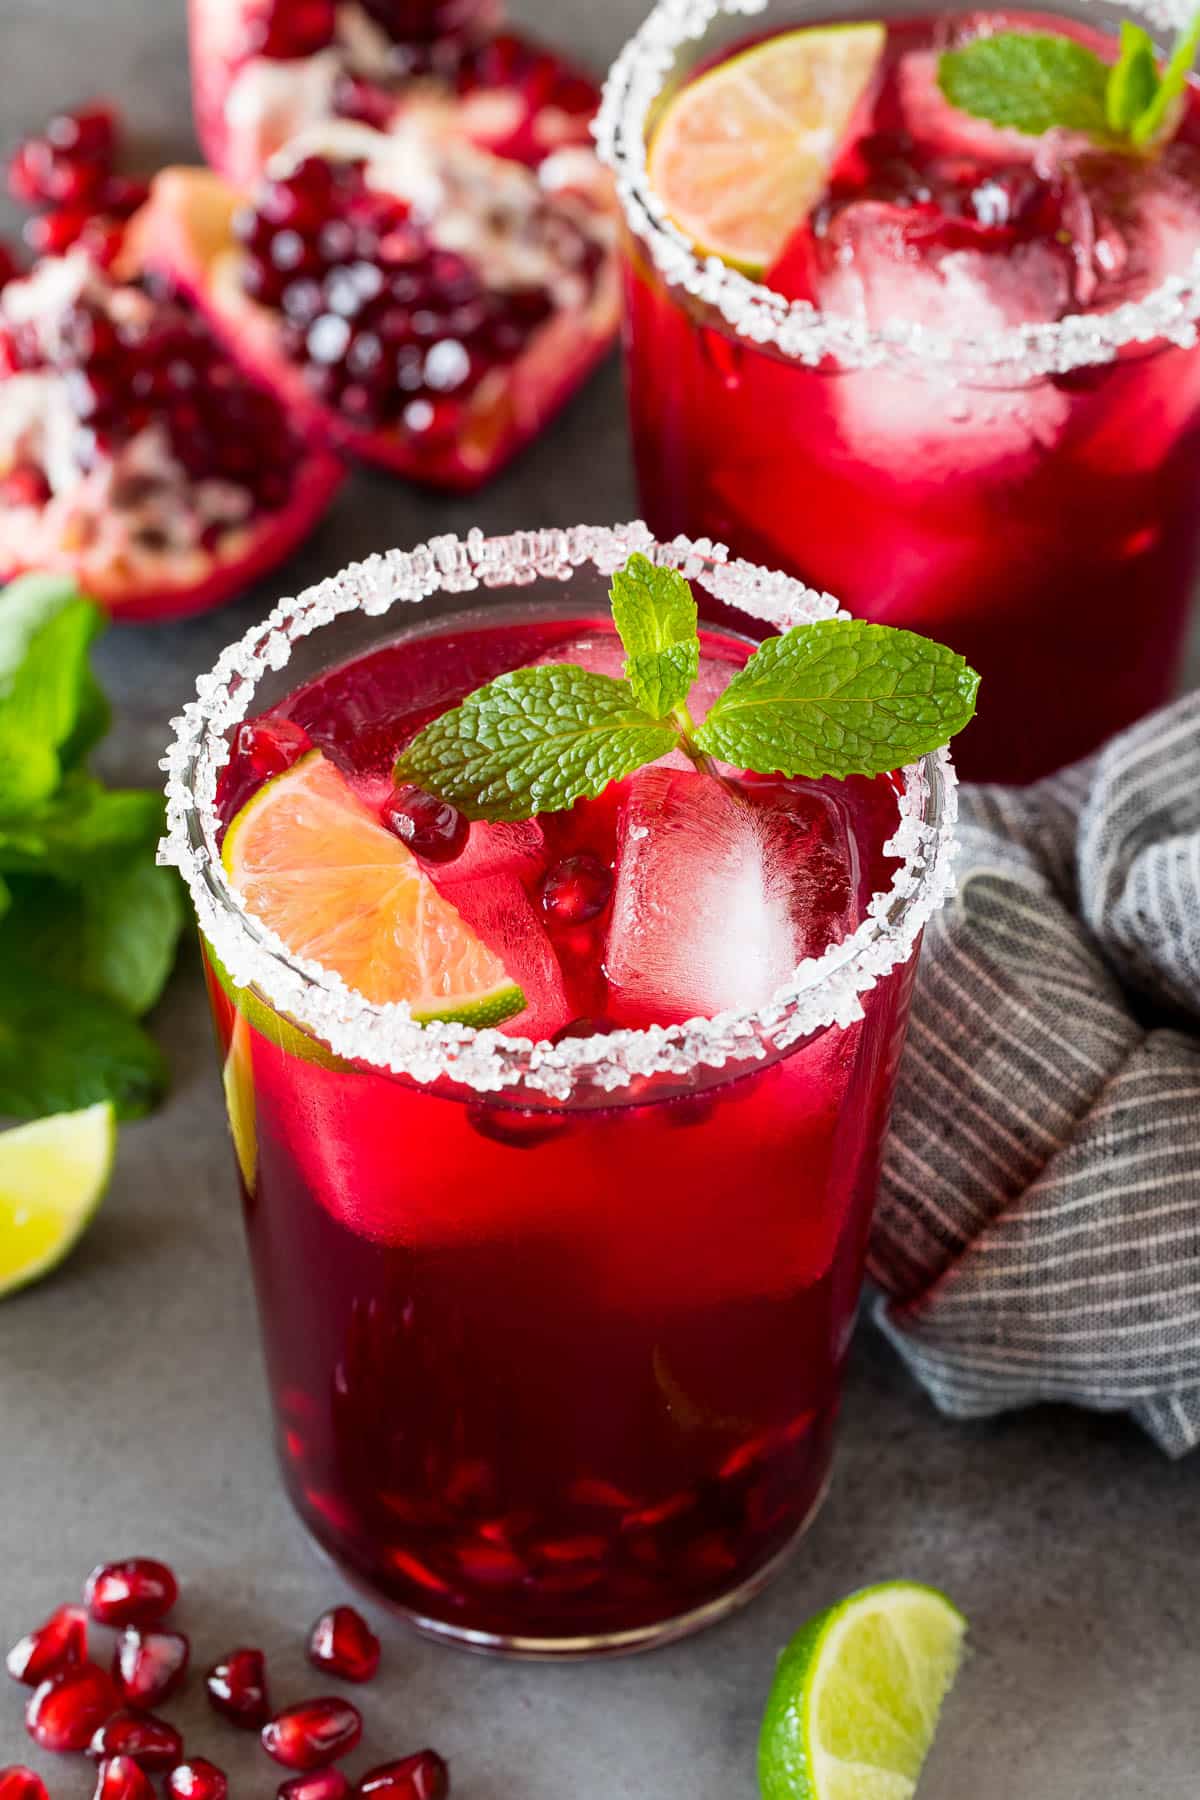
column 53, row 1175
column 856, row 1697
column 314, row 863
column 743, row 152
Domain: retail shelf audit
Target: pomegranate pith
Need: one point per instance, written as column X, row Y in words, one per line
column 197, row 1779
column 312, row 1734
column 138, row 1591
column 237, row 1689
column 20, row 1783
column 120, row 1778
column 320, row 1784
column 424, row 1776
column 67, row 1708
column 149, row 1666
column 61, row 1641
column 152, row 1742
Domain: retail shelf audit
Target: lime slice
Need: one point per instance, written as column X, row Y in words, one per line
column 238, row 1082
column 743, row 153
column 856, row 1696
column 314, row 863
column 53, row 1175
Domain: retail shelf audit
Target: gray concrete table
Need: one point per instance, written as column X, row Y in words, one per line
column 132, row 1411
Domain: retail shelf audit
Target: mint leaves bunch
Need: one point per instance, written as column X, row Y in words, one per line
column 1038, row 81
column 88, row 924
column 841, row 697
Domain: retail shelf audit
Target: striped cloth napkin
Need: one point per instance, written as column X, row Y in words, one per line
column 1038, row 1236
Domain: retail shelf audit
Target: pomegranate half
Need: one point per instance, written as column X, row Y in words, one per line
column 428, row 305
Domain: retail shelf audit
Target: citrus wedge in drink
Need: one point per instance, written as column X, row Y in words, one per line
column 53, row 1176
column 743, row 153
column 856, row 1696
column 313, row 861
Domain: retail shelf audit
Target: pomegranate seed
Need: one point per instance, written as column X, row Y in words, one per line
column 90, row 132
column 577, row 888
column 342, row 1643
column 121, row 196
column 138, row 1591
column 237, row 1688
column 148, row 1666
column 120, row 1778
column 321, row 1784
column 432, row 828
column 62, row 1640
column 139, row 1736
column 197, row 1779
column 26, row 487
column 312, row 1734
column 292, row 28
column 54, row 233
column 420, row 1777
column 272, row 745
column 65, row 1711
column 18, row 1783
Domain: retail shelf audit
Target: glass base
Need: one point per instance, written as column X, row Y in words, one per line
column 605, row 1643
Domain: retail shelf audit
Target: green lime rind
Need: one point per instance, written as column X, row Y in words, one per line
column 54, row 1173
column 857, row 1694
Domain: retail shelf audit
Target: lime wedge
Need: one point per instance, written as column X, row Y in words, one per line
column 53, row 1175
column 315, row 864
column 856, row 1697
column 238, row 1082
column 743, row 153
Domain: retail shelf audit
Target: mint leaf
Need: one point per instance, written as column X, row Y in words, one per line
column 841, row 697
column 655, row 613
column 1133, row 79
column 47, row 693
column 80, row 823
column 534, row 740
column 1162, row 112
column 61, row 1049
column 1031, row 81
column 114, row 935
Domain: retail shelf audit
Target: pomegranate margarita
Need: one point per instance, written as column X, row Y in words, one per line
column 558, row 1135
column 939, row 364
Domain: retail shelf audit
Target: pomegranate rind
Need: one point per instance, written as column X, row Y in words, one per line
column 186, row 230
column 314, row 863
column 54, row 1173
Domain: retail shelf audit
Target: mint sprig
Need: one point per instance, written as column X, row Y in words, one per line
column 1036, row 81
column 840, row 697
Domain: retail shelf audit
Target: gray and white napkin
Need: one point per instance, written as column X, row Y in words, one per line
column 1038, row 1236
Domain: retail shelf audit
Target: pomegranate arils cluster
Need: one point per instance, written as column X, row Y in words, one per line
column 57, row 1644
column 68, row 1708
column 237, row 1689
column 197, row 1779
column 313, row 1733
column 148, row 1665
column 69, row 168
column 120, row 1778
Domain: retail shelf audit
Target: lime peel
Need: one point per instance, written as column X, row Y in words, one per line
column 54, row 1172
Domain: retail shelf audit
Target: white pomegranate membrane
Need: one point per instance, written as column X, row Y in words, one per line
column 820, row 991
column 889, row 319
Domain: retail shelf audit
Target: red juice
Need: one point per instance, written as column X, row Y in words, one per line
column 562, row 1374
column 1042, row 524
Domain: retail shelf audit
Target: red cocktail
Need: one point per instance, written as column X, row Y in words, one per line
column 555, row 1331
column 964, row 397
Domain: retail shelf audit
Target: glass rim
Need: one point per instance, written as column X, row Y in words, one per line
column 821, row 991
column 799, row 330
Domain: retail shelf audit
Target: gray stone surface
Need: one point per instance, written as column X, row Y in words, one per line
column 132, row 1414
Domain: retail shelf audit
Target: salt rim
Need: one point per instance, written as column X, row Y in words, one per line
column 821, row 991
column 796, row 327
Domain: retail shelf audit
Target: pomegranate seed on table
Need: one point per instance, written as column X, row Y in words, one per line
column 197, row 1779
column 19, row 1783
column 321, row 1784
column 65, row 1711
column 237, row 1689
column 432, row 828
column 62, row 1640
column 342, row 1643
column 313, row 1733
column 120, row 1778
column 138, row 1591
column 576, row 889
column 152, row 1742
column 424, row 1776
column 148, row 1666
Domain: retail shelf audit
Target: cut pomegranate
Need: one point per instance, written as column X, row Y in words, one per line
column 148, row 1666
column 149, row 1741
column 65, row 1711
column 420, row 1777
column 120, row 1778
column 197, row 1779
column 432, row 828
column 237, row 1689
column 61, row 1641
column 19, row 1783
column 312, row 1734
column 321, row 1784
column 343, row 1644
column 135, row 455
column 428, row 305
column 138, row 1591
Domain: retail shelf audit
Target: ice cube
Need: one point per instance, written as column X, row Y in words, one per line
column 498, row 909
column 507, row 849
column 718, row 896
